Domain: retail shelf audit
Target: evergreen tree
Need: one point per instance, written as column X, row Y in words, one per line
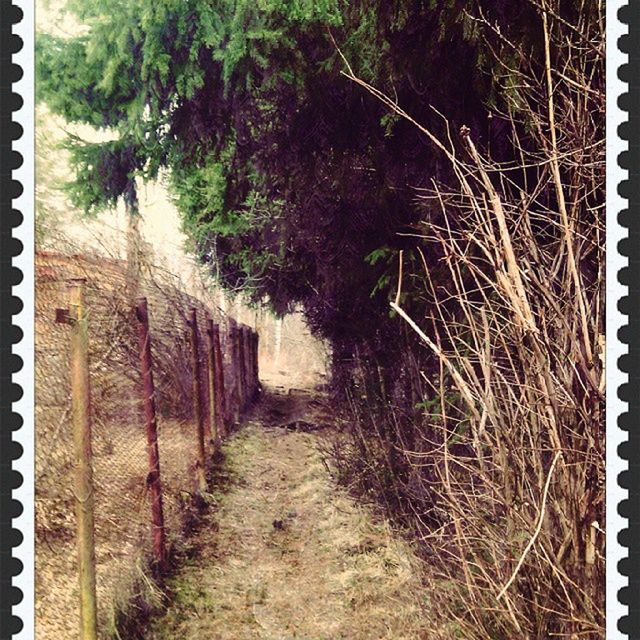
column 286, row 174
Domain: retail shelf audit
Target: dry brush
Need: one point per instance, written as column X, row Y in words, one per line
column 501, row 477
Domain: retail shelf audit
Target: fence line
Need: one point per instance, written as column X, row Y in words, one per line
column 142, row 388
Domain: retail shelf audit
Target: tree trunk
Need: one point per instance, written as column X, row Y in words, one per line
column 134, row 254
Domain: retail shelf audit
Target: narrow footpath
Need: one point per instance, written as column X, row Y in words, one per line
column 285, row 553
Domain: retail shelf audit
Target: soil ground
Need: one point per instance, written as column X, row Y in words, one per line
column 286, row 553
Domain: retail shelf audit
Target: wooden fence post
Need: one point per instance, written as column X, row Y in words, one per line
column 84, row 497
column 149, row 404
column 219, row 383
column 211, row 379
column 242, row 346
column 250, row 368
column 256, row 368
column 250, row 383
column 247, row 367
column 197, row 396
column 235, row 367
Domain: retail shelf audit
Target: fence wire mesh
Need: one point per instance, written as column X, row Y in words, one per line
column 119, row 441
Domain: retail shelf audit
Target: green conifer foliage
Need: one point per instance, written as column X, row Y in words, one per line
column 282, row 169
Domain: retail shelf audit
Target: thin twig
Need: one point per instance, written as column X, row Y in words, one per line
column 399, row 289
column 538, row 527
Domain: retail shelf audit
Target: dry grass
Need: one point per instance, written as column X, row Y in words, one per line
column 120, row 464
column 288, row 554
column 122, row 528
column 118, row 436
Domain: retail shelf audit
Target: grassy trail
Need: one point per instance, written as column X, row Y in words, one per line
column 288, row 554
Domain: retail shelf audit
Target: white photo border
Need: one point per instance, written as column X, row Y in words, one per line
column 25, row 436
column 615, row 320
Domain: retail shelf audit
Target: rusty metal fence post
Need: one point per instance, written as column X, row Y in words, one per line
column 197, row 400
column 214, row 408
column 76, row 317
column 149, row 405
column 219, row 382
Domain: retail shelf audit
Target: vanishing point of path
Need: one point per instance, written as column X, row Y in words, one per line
column 286, row 553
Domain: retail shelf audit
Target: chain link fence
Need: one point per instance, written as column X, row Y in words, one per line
column 185, row 407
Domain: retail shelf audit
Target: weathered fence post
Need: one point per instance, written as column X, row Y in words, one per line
column 235, row 367
column 256, row 369
column 211, row 379
column 252, row 383
column 149, row 404
column 249, row 367
column 242, row 345
column 197, row 397
column 84, row 496
column 219, row 383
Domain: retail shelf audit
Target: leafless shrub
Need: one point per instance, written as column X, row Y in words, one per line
column 512, row 451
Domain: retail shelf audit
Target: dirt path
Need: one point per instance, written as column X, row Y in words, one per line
column 287, row 554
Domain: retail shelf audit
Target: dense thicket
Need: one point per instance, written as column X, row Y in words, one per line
column 300, row 186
